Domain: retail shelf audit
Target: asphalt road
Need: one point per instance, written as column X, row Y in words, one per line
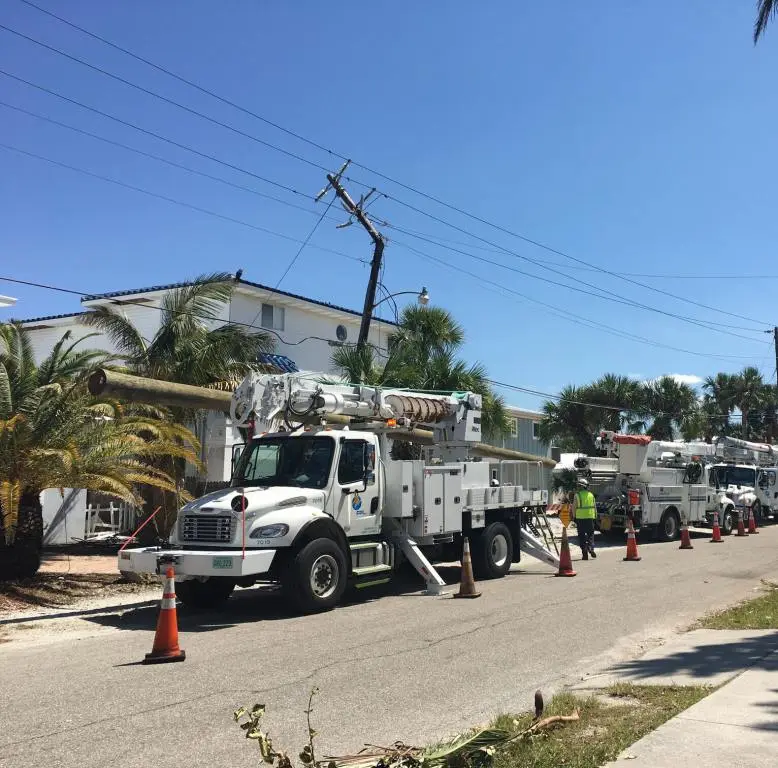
column 399, row 666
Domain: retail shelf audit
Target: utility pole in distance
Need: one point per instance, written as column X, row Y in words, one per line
column 355, row 209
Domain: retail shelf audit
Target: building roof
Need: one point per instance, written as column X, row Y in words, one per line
column 172, row 286
column 26, row 320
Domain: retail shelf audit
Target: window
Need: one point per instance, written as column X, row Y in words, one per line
column 514, row 427
column 536, row 430
column 351, row 467
column 273, row 317
column 286, row 461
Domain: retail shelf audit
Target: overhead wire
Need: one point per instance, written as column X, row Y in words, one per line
column 300, row 158
column 174, row 201
column 208, row 316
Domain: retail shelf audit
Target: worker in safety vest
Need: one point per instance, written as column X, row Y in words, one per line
column 585, row 513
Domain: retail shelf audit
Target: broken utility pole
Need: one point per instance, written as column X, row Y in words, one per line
column 355, row 209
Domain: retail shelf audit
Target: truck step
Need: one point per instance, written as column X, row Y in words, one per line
column 372, row 570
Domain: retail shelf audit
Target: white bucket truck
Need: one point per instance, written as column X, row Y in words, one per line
column 316, row 508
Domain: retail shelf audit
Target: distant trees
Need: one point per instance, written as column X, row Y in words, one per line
column 664, row 408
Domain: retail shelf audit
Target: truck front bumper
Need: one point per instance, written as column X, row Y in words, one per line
column 193, row 563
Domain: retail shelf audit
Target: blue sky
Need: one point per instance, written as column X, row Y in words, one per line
column 637, row 137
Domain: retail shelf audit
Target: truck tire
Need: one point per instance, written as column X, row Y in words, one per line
column 205, row 595
column 492, row 552
column 316, row 577
column 727, row 523
column 669, row 525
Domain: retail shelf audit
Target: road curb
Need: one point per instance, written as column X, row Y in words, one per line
column 74, row 613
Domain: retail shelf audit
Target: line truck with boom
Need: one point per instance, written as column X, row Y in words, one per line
column 317, row 502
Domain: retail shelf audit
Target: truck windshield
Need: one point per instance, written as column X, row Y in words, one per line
column 299, row 461
column 736, row 476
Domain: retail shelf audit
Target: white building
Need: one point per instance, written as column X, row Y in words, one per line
column 306, row 332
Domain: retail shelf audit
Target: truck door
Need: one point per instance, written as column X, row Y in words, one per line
column 357, row 488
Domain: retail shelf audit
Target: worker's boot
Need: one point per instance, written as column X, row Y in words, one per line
column 592, row 552
column 585, row 553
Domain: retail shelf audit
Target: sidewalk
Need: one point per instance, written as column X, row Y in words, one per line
column 736, row 727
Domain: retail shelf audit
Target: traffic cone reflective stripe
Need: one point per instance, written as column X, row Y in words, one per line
column 467, row 582
column 632, row 545
column 741, row 529
column 565, row 560
column 751, row 521
column 716, row 538
column 686, row 541
column 165, row 646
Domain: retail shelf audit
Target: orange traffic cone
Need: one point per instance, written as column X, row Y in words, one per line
column 751, row 521
column 632, row 545
column 166, row 638
column 741, row 529
column 716, row 538
column 565, row 561
column 467, row 582
column 686, row 541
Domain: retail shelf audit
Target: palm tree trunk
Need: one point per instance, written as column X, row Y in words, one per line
column 22, row 559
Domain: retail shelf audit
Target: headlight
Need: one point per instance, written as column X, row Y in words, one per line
column 270, row 531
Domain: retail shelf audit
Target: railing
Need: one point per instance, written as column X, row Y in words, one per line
column 116, row 517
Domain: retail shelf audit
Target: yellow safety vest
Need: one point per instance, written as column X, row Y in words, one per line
column 585, row 508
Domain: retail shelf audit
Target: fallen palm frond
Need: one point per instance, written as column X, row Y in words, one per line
column 475, row 749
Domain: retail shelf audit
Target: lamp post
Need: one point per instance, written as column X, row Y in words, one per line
column 422, row 297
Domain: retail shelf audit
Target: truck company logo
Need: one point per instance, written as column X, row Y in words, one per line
column 356, row 504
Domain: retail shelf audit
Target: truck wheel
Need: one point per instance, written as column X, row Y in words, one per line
column 727, row 524
column 205, row 595
column 669, row 526
column 492, row 552
column 316, row 577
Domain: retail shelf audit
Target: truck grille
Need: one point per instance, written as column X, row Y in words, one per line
column 202, row 528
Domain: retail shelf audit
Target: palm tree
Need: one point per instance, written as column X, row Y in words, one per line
column 718, row 403
column 423, row 355
column 748, row 394
column 620, row 399
column 672, row 405
column 54, row 435
column 189, row 348
column 571, row 420
column 765, row 11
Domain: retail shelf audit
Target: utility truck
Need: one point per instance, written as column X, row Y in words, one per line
column 316, row 504
column 661, row 484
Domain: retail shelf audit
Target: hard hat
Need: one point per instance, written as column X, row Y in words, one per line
column 582, row 481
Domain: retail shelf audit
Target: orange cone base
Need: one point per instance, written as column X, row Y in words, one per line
column 632, row 559
column 470, row 595
column 164, row 656
column 686, row 542
column 716, row 540
column 567, row 572
column 686, row 545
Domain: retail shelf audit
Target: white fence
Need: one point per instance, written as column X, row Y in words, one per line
column 116, row 517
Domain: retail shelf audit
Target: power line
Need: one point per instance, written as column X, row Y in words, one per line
column 297, row 255
column 571, row 315
column 174, row 201
column 216, row 318
column 316, row 165
column 615, row 299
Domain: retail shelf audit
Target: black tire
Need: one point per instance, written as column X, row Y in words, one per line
column 316, row 577
column 492, row 552
column 727, row 524
column 669, row 526
column 207, row 595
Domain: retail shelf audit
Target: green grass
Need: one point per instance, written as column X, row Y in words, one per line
column 610, row 722
column 759, row 613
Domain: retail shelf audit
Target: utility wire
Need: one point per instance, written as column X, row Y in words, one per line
column 296, row 156
column 174, row 201
column 577, row 288
column 216, row 318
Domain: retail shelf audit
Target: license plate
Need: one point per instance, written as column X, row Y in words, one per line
column 224, row 563
column 605, row 523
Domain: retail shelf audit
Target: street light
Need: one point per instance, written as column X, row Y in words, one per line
column 422, row 297
column 7, row 301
